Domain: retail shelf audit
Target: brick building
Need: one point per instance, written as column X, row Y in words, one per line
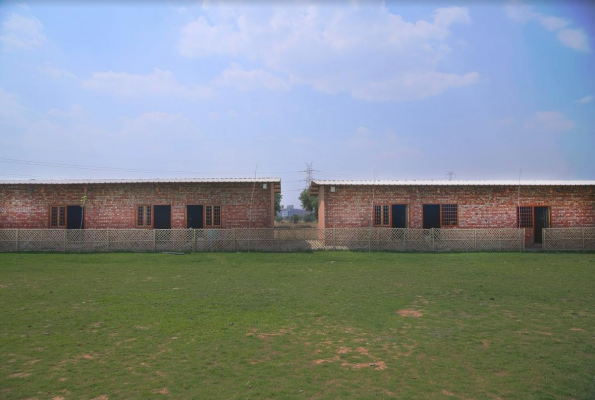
column 139, row 203
column 456, row 204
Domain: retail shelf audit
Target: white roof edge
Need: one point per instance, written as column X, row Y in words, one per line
column 160, row 180
column 454, row 182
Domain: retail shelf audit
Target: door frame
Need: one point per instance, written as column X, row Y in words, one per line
column 186, row 215
column 82, row 217
column 407, row 215
column 549, row 211
column 171, row 214
column 439, row 213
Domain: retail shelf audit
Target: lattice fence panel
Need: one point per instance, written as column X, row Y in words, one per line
column 264, row 239
column 174, row 239
column 454, row 239
column 260, row 239
column 42, row 239
column 418, row 239
column 133, row 240
column 352, row 239
column 215, row 240
column 569, row 239
column 86, row 240
column 8, row 240
column 299, row 239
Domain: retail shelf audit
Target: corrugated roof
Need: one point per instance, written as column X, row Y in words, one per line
column 160, row 180
column 319, row 182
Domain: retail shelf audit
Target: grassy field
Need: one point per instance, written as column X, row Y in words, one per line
column 322, row 325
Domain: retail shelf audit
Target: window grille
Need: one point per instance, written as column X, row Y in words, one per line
column 525, row 217
column 381, row 215
column 58, row 216
column 450, row 215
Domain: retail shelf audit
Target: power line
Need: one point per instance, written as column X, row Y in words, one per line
column 119, row 169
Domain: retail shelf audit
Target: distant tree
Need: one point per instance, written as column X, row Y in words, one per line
column 278, row 197
column 295, row 218
column 278, row 218
column 309, row 218
column 309, row 203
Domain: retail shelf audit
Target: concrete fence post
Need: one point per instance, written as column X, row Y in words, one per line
column 524, row 232
column 432, row 236
column 17, row 240
column 194, row 240
column 475, row 239
column 334, row 240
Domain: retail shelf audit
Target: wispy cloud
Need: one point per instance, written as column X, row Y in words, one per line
column 585, row 100
column 245, row 80
column 162, row 83
column 552, row 121
column 323, row 47
column 22, row 32
column 574, row 38
column 57, row 73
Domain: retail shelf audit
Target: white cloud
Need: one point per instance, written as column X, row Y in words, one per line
column 585, row 100
column 159, row 125
column 12, row 112
column 76, row 111
column 414, row 86
column 245, row 80
column 552, row 121
column 57, row 73
column 352, row 49
column 161, row 83
column 21, row 32
column 574, row 38
column 552, row 23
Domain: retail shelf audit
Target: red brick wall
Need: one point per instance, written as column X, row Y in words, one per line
column 114, row 205
column 478, row 206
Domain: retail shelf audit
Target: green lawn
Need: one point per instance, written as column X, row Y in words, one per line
column 322, row 325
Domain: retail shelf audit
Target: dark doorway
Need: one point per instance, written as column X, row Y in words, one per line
column 399, row 215
column 431, row 216
column 162, row 218
column 194, row 217
column 74, row 217
column 542, row 220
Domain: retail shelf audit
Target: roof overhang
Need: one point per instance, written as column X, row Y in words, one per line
column 314, row 187
column 276, row 182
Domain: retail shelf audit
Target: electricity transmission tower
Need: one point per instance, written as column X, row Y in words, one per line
column 309, row 174
column 451, row 175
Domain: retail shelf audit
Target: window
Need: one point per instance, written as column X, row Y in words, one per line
column 525, row 217
column 144, row 216
column 450, row 215
column 212, row 216
column 381, row 215
column 57, row 216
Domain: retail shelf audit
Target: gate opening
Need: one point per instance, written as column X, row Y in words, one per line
column 399, row 213
column 542, row 220
column 74, row 217
column 162, row 217
column 194, row 217
column 431, row 216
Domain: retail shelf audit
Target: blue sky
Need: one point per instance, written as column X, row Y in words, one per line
column 362, row 89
